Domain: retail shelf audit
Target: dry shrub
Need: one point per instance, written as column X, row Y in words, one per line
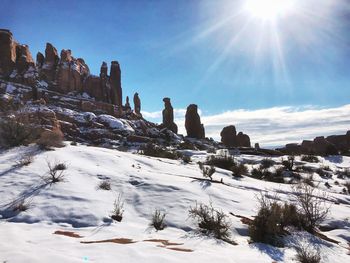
column 56, row 172
column 238, row 170
column 267, row 163
column 311, row 206
column 118, row 209
column 26, row 160
column 153, row 150
column 51, row 138
column 158, row 220
column 306, row 255
column 289, row 163
column 105, row 185
column 224, row 162
column 211, row 221
column 207, row 171
column 15, row 131
column 310, row 158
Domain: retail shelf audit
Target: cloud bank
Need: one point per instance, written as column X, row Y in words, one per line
column 272, row 126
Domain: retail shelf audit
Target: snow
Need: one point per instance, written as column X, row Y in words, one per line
column 115, row 123
column 10, row 88
column 146, row 184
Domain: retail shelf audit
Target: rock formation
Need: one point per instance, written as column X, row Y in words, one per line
column 168, row 116
column 7, row 52
column 115, row 82
column 48, row 70
column 39, row 60
column 230, row 138
column 127, row 104
column 137, row 104
column 333, row 144
column 193, row 124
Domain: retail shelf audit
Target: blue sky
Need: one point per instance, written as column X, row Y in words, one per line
column 206, row 52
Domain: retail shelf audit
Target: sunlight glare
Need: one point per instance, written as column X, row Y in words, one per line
column 269, row 9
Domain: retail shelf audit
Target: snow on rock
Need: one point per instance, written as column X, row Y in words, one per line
column 10, row 88
column 114, row 123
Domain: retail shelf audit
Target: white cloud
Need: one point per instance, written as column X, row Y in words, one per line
column 272, row 126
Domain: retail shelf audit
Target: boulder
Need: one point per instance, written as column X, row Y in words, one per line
column 193, row 124
column 7, row 52
column 168, row 116
column 229, row 136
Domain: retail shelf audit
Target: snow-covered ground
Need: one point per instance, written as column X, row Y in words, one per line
column 146, row 184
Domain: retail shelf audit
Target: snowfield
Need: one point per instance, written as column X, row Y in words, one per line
column 145, row 184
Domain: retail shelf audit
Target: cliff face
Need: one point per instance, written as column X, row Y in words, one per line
column 62, row 73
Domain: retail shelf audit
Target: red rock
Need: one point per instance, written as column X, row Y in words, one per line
column 115, row 83
column 229, row 136
column 243, row 140
column 23, row 58
column 48, row 71
column 39, row 60
column 193, row 124
column 137, row 104
column 168, row 116
column 7, row 52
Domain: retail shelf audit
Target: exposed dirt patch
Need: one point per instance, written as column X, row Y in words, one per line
column 67, row 233
column 180, row 249
column 113, row 240
column 164, row 242
column 244, row 220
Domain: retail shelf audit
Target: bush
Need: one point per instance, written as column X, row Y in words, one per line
column 158, row 220
column 268, row 226
column 105, row 185
column 56, row 172
column 211, row 221
column 118, row 209
column 347, row 186
column 224, row 162
column 289, row 163
column 310, row 158
column 26, row 160
column 306, row 255
column 186, row 159
column 15, row 132
column 51, row 138
column 21, row 206
column 153, row 150
column 323, row 173
column 311, row 206
column 267, row 163
column 207, row 171
column 276, row 176
column 239, row 170
column 309, row 180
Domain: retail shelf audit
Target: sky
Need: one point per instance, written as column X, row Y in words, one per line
column 232, row 58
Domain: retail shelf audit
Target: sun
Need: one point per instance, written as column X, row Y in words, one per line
column 269, row 9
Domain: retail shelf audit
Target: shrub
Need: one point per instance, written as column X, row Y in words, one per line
column 276, row 176
column 267, row 225
column 306, row 255
column 56, row 172
column 207, row 171
column 187, row 145
column 239, row 170
column 310, row 158
column 15, row 132
column 105, row 185
column 118, row 209
column 267, row 163
column 289, row 163
column 311, row 206
column 158, row 220
column 323, row 173
column 345, row 172
column 347, row 186
column 26, row 160
column 153, row 150
column 224, row 162
column 21, row 206
column 211, row 221
column 186, row 159
column 51, row 138
column 309, row 180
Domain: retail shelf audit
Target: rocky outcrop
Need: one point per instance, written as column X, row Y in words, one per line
column 127, row 104
column 115, row 83
column 7, row 52
column 137, row 104
column 48, row 71
column 168, row 116
column 230, row 138
column 40, row 60
column 24, row 59
column 333, row 144
column 193, row 125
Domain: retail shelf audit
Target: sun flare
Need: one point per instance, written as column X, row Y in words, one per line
column 269, row 9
